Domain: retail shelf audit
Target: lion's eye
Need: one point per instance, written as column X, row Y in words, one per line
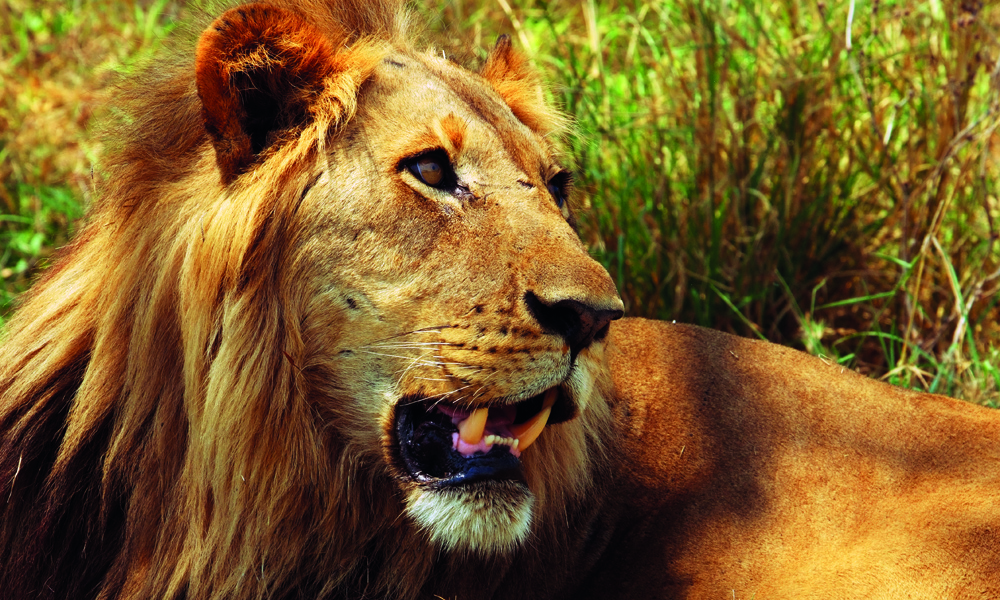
column 557, row 193
column 559, row 187
column 433, row 169
column 429, row 171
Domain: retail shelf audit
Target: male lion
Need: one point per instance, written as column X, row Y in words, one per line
column 328, row 333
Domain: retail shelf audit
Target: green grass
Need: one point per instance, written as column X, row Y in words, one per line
column 739, row 166
column 57, row 60
column 743, row 169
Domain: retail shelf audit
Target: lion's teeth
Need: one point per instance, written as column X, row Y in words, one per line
column 505, row 441
column 472, row 428
column 527, row 432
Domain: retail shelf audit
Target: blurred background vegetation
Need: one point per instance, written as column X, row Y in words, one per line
column 820, row 174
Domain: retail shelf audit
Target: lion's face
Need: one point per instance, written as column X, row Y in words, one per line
column 327, row 316
column 446, row 315
column 450, row 297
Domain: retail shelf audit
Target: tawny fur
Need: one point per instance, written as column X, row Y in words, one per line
column 196, row 399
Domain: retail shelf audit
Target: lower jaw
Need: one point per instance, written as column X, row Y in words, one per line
column 486, row 517
column 504, row 468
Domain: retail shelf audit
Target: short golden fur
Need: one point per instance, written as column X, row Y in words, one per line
column 206, row 396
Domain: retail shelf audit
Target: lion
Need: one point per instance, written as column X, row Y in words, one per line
column 328, row 332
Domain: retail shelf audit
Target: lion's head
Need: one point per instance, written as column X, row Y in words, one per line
column 328, row 326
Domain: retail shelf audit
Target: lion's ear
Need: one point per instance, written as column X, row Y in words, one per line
column 511, row 75
column 259, row 70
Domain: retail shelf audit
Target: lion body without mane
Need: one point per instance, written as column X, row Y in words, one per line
column 196, row 399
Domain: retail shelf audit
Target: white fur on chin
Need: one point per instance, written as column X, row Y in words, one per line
column 483, row 518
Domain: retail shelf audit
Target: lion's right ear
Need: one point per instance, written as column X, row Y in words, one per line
column 260, row 70
column 511, row 75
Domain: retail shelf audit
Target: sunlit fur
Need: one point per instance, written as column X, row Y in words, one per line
column 159, row 430
column 197, row 399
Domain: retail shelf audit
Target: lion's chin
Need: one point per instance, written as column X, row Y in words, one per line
column 487, row 517
column 466, row 485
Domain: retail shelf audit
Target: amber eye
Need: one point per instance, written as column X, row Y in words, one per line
column 433, row 169
column 429, row 171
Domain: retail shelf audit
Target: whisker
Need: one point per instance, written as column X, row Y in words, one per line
column 389, row 345
column 413, row 345
column 418, row 358
column 402, row 372
column 421, row 330
column 443, row 397
column 437, row 398
column 437, row 363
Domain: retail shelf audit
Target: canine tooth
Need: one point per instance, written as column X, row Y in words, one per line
column 529, row 431
column 472, row 428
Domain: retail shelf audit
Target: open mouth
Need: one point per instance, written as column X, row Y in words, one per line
column 447, row 445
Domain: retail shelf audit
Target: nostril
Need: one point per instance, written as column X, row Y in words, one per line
column 577, row 322
column 560, row 318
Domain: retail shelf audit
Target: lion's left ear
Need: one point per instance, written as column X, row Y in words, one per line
column 259, row 72
column 511, row 75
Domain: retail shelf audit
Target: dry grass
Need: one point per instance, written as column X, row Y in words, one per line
column 57, row 61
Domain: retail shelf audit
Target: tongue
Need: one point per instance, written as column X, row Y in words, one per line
column 471, row 431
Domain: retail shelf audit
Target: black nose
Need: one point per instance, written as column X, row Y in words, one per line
column 577, row 322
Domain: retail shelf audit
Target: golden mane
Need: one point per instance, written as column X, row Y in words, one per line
column 123, row 449
column 99, row 381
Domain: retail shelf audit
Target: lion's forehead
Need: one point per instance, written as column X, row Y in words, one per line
column 413, row 100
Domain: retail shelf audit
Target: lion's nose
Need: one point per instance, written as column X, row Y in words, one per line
column 579, row 323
